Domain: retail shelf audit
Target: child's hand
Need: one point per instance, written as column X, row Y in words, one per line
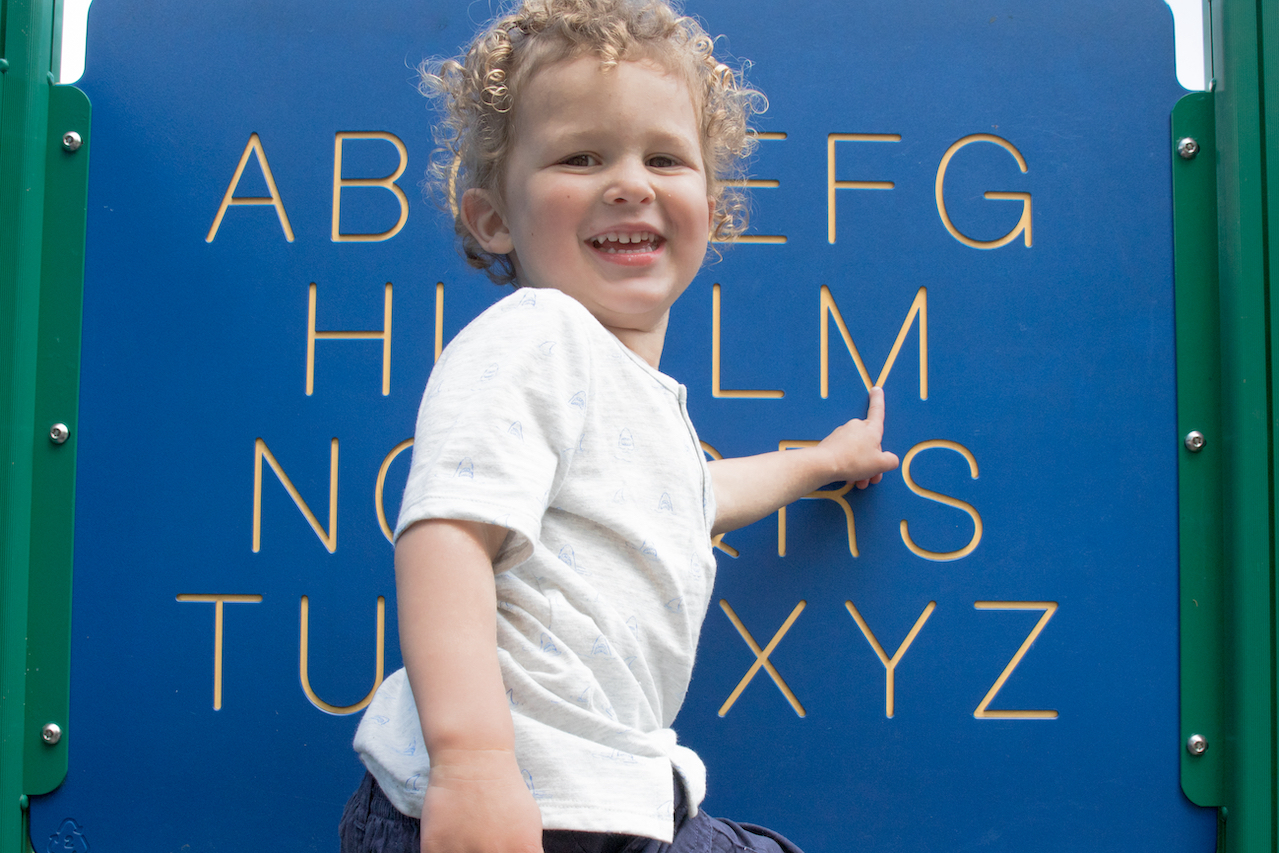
column 477, row 803
column 748, row 488
column 856, row 454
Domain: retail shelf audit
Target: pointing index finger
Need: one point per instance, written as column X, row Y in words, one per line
column 875, row 409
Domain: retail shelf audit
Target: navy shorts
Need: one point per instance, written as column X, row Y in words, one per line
column 370, row 824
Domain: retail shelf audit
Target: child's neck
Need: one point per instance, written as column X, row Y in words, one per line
column 646, row 344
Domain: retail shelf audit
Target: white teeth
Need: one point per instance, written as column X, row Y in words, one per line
column 614, row 237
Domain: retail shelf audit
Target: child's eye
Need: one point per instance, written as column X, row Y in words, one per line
column 662, row 161
column 579, row 160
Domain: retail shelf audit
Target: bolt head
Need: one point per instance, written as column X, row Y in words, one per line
column 59, row 433
column 51, row 733
column 71, row 140
column 1195, row 441
column 1196, row 745
column 1188, row 148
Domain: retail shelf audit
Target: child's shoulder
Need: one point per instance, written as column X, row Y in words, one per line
column 540, row 330
column 532, row 317
column 531, row 310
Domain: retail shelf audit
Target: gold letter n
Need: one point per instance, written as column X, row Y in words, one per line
column 329, row 537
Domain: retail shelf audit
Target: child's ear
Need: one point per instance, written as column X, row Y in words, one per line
column 485, row 222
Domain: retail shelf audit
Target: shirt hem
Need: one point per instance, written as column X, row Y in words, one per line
column 594, row 819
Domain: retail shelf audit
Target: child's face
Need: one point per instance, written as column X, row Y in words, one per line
column 605, row 190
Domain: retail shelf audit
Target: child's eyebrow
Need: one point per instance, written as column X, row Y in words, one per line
column 592, row 137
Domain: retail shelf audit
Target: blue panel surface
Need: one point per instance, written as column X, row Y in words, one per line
column 1049, row 363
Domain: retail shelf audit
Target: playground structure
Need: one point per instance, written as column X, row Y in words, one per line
column 854, row 657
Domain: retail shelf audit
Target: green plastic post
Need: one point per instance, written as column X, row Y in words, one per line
column 43, row 190
column 24, row 106
column 1227, row 390
column 1246, row 196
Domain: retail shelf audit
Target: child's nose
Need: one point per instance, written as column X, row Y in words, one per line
column 630, row 184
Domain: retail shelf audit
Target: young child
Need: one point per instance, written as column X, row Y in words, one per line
column 553, row 553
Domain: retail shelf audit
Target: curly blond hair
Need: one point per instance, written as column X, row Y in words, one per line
column 478, row 91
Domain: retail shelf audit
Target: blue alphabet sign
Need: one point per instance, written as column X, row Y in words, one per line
column 966, row 203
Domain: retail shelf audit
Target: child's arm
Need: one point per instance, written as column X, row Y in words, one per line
column 476, row 801
column 750, row 487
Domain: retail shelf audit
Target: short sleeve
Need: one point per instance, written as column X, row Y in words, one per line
column 501, row 418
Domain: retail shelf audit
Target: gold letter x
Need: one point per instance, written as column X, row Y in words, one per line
column 761, row 658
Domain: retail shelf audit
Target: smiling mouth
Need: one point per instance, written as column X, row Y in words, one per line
column 632, row 243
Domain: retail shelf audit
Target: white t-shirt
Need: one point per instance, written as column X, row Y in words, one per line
column 537, row 419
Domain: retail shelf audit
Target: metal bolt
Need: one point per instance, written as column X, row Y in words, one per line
column 51, row 733
column 72, row 141
column 1187, row 148
column 1197, row 745
column 59, row 433
column 1195, row 441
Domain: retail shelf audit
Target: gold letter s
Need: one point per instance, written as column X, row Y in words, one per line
column 940, row 498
